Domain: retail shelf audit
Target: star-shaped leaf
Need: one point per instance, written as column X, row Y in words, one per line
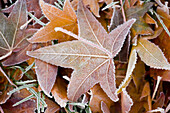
column 58, row 18
column 12, row 35
column 91, row 56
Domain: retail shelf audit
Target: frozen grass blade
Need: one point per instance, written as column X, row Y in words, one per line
column 23, row 100
column 25, row 82
column 21, row 87
column 36, row 94
column 162, row 23
column 36, row 19
column 113, row 4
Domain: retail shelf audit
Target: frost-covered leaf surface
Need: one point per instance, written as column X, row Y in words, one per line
column 89, row 55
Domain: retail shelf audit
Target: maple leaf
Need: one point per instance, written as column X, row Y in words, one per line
column 12, row 36
column 58, row 18
column 91, row 56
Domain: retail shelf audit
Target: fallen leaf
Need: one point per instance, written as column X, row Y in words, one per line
column 138, row 73
column 13, row 38
column 94, row 5
column 52, row 107
column 58, row 18
column 116, row 20
column 28, row 106
column 131, row 66
column 160, row 101
column 139, row 27
column 163, row 42
column 126, row 101
column 59, row 91
column 151, row 55
column 104, row 108
column 46, row 75
column 92, row 53
column 146, row 93
column 98, row 98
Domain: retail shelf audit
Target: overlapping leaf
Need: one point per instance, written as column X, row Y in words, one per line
column 46, row 75
column 140, row 27
column 88, row 56
column 58, row 18
column 12, row 35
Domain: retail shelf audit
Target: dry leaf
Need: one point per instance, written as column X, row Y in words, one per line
column 151, row 54
column 131, row 66
column 89, row 55
column 58, row 18
column 13, row 38
column 52, row 107
column 46, row 75
column 59, row 92
column 98, row 98
column 163, row 42
column 28, row 106
column 140, row 27
column 104, row 108
column 126, row 101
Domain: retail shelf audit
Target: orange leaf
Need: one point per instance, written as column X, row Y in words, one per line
column 58, row 18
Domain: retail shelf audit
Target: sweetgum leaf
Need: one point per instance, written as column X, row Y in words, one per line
column 152, row 55
column 91, row 56
column 66, row 19
column 12, row 37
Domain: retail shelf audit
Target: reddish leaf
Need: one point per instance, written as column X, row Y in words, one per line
column 126, row 102
column 28, row 106
column 13, row 38
column 46, row 75
column 99, row 100
column 59, row 92
column 104, row 108
column 89, row 55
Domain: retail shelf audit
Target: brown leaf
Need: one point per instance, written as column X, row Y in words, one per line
column 138, row 74
column 46, row 75
column 146, row 93
column 104, row 108
column 151, row 55
column 52, row 107
column 159, row 102
column 59, row 91
column 131, row 66
column 58, row 18
column 28, row 106
column 163, row 42
column 126, row 101
column 98, row 98
column 13, row 37
column 140, row 27
column 91, row 53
